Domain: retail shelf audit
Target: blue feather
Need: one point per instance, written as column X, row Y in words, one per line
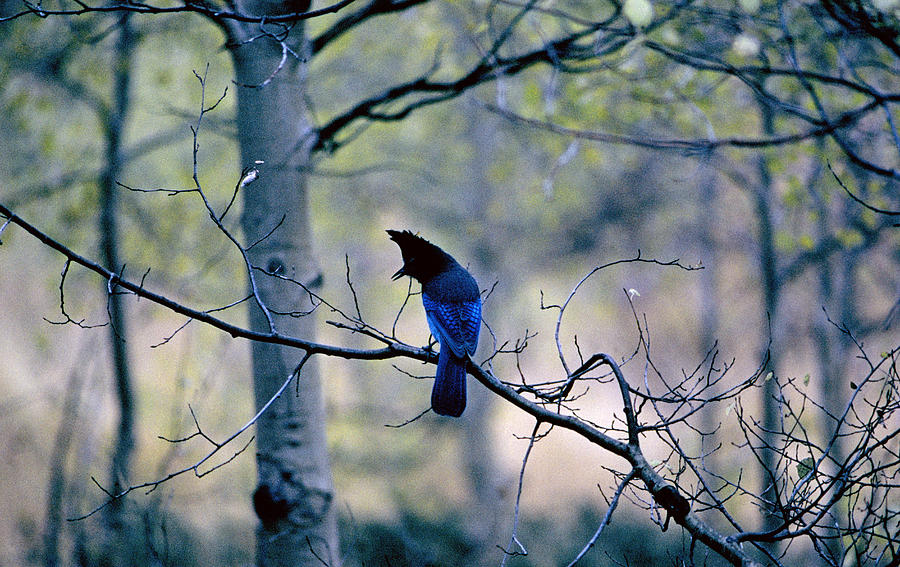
column 448, row 396
column 455, row 325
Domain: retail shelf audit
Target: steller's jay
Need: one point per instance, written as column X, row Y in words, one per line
column 453, row 310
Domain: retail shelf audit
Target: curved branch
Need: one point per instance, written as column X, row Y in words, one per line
column 432, row 92
column 350, row 21
column 192, row 7
column 663, row 492
column 693, row 145
column 392, row 350
column 152, row 485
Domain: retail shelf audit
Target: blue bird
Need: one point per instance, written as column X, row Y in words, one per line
column 453, row 310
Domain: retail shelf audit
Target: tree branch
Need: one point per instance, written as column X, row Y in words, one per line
column 213, row 13
column 392, row 350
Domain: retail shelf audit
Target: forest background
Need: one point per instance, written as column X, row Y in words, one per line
column 752, row 142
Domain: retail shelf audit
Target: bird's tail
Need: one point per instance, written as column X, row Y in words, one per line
column 448, row 397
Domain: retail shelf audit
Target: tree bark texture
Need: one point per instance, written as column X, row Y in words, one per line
column 294, row 497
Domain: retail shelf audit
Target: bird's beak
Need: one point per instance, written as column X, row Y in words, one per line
column 399, row 273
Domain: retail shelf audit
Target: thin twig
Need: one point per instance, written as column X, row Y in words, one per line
column 607, row 517
column 515, row 546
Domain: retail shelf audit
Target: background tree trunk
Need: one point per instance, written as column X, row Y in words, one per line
column 771, row 288
column 57, row 484
column 709, row 308
column 479, row 456
column 294, row 498
column 114, row 553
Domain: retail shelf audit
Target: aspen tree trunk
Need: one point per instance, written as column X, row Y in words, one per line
column 294, row 497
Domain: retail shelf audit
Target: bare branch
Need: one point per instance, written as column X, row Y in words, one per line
column 152, row 485
column 682, row 145
column 62, row 299
column 611, row 507
column 395, row 349
column 515, row 546
column 857, row 199
column 190, row 6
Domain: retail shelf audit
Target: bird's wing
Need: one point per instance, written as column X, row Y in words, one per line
column 455, row 324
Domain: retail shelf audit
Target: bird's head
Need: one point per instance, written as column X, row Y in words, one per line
column 422, row 260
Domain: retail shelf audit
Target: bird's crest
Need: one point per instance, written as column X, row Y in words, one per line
column 421, row 259
column 412, row 244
